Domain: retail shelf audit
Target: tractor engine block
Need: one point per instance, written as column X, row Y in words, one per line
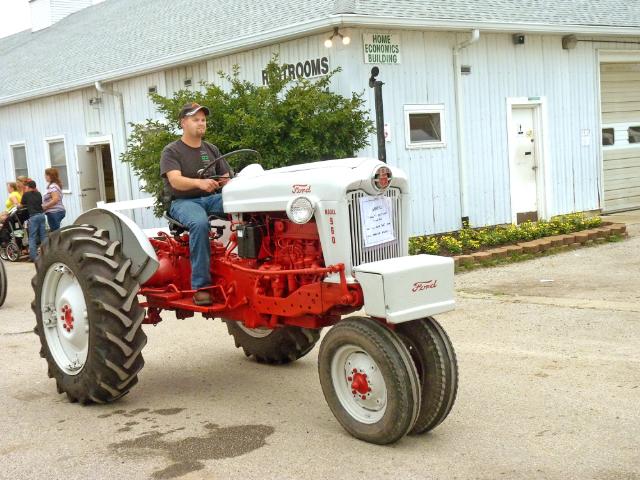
column 289, row 246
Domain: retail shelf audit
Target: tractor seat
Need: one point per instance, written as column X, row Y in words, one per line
column 176, row 228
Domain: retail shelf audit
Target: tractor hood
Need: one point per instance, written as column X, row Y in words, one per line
column 258, row 190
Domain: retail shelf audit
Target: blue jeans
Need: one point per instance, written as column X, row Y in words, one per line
column 54, row 219
column 193, row 213
column 36, row 234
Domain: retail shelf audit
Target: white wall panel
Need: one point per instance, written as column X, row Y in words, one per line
column 566, row 79
column 33, row 122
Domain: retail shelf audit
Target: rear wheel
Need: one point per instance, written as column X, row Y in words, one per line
column 12, row 251
column 369, row 380
column 435, row 360
column 3, row 253
column 87, row 315
column 273, row 346
column 3, row 284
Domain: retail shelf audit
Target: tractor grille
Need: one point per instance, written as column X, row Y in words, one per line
column 360, row 254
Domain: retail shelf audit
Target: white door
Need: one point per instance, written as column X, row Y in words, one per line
column 88, row 176
column 524, row 191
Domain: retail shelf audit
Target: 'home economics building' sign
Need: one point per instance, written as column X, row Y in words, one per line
column 381, row 48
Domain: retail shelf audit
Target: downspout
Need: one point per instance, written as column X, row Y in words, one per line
column 457, row 75
column 109, row 91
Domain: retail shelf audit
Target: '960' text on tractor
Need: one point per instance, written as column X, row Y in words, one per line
column 302, row 248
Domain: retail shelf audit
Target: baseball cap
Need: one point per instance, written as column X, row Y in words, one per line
column 191, row 109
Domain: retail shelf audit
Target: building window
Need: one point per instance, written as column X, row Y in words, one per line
column 188, row 83
column 424, row 126
column 58, row 160
column 634, row 134
column 19, row 153
column 608, row 136
column 153, row 90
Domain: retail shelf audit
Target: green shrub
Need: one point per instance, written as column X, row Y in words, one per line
column 287, row 122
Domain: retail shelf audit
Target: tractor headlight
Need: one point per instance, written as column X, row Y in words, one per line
column 300, row 210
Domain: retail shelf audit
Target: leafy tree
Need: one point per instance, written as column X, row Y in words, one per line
column 287, row 121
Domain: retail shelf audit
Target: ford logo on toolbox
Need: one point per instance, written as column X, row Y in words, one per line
column 419, row 286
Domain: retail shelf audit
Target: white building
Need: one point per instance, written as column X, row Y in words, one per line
column 497, row 110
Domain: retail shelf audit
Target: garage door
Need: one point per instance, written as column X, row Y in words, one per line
column 620, row 84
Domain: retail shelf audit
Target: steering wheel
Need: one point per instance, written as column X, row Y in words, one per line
column 202, row 173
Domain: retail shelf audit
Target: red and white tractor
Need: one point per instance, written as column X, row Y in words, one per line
column 303, row 248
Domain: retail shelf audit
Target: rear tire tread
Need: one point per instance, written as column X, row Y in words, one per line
column 283, row 345
column 116, row 338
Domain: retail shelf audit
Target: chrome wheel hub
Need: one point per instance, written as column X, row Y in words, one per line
column 359, row 384
column 65, row 318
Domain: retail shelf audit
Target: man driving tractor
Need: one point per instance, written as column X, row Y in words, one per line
column 194, row 199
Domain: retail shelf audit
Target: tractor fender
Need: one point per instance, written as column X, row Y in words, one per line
column 134, row 243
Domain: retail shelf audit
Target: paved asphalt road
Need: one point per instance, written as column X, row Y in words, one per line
column 549, row 357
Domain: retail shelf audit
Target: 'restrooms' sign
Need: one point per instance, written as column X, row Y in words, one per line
column 381, row 48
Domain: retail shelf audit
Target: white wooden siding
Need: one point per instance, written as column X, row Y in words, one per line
column 567, row 79
column 62, row 8
column 32, row 122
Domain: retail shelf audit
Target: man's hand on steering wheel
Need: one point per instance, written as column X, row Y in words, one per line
column 209, row 185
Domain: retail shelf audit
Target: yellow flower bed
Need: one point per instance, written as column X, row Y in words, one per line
column 470, row 239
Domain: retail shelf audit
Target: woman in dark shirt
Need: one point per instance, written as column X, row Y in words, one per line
column 32, row 199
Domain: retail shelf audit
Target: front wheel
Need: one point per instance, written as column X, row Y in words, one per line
column 435, row 360
column 273, row 346
column 369, row 380
column 87, row 315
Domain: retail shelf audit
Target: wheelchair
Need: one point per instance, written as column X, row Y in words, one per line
column 14, row 239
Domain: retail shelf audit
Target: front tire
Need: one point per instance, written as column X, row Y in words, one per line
column 87, row 315
column 369, row 380
column 435, row 360
column 273, row 346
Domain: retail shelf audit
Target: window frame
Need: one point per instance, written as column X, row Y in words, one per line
column 629, row 134
column 12, row 145
column 55, row 139
column 438, row 108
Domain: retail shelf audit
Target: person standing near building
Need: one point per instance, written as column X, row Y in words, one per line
column 32, row 199
column 193, row 199
column 52, row 202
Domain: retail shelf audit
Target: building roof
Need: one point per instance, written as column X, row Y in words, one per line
column 609, row 13
column 119, row 38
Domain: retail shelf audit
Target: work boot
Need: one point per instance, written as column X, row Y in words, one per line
column 202, row 298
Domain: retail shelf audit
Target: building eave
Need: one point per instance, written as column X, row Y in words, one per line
column 292, row 32
column 455, row 25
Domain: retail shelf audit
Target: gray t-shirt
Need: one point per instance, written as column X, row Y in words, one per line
column 180, row 156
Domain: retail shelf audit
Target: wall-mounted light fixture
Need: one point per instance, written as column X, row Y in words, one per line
column 346, row 39
column 518, row 38
column 569, row 42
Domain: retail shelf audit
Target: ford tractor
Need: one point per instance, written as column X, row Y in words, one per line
column 301, row 249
